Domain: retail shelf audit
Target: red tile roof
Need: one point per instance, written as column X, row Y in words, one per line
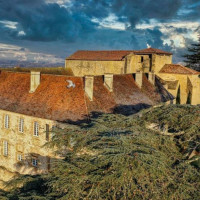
column 153, row 50
column 53, row 100
column 111, row 55
column 177, row 69
column 99, row 55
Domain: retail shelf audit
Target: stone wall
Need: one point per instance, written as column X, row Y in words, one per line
column 136, row 63
column 131, row 64
column 94, row 68
column 158, row 61
column 193, row 87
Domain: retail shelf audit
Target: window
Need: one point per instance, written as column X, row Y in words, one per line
column 6, row 121
column 53, row 130
column 21, row 125
column 34, row 162
column 36, row 129
column 142, row 59
column 47, row 132
column 19, row 157
column 5, row 148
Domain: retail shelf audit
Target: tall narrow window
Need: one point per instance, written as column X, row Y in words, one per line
column 19, row 157
column 47, row 132
column 21, row 125
column 36, row 129
column 5, row 148
column 53, row 130
column 6, row 121
column 34, row 162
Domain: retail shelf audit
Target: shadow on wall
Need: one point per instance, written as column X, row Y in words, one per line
column 164, row 94
column 33, row 163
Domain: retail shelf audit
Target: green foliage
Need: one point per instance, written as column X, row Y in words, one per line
column 193, row 56
column 118, row 157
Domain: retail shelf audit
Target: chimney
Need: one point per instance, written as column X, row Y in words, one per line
column 108, row 81
column 151, row 78
column 89, row 81
column 139, row 78
column 35, row 81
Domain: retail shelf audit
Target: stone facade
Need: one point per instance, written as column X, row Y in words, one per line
column 95, row 68
column 130, row 64
column 149, row 61
column 21, row 148
column 188, row 84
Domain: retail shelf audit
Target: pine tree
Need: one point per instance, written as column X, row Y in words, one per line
column 193, row 56
column 121, row 158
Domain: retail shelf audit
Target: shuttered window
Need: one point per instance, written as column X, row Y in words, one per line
column 5, row 148
column 21, row 125
column 6, row 121
column 47, row 132
column 36, row 129
column 34, row 162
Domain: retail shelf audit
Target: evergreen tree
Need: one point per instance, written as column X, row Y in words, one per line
column 193, row 56
column 121, row 158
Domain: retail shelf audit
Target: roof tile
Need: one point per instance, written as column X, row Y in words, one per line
column 53, row 100
column 111, row 55
column 178, row 69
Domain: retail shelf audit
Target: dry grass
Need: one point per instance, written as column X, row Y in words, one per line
column 43, row 70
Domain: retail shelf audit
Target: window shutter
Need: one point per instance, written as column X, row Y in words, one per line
column 5, row 148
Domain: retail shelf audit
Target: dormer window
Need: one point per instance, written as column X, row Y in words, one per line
column 36, row 129
column 6, row 121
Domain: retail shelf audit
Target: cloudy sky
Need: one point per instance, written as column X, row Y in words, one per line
column 49, row 30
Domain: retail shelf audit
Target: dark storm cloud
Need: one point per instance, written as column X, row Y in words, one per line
column 45, row 22
column 137, row 11
column 74, row 26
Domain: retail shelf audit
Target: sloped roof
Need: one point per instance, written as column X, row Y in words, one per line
column 111, row 55
column 53, row 100
column 99, row 55
column 178, row 69
column 153, row 50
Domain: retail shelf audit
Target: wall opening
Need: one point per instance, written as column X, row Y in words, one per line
column 178, row 97
column 150, row 63
column 189, row 98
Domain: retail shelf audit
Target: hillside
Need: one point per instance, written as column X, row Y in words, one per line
column 154, row 154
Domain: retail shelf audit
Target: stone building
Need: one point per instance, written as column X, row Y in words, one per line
column 152, row 62
column 117, row 62
column 32, row 104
